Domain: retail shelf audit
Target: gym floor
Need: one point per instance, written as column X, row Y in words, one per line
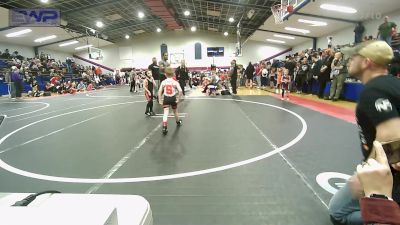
column 236, row 159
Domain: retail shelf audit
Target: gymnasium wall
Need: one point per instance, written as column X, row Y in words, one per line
column 139, row 51
column 56, row 54
column 346, row 36
column 29, row 52
column 25, row 51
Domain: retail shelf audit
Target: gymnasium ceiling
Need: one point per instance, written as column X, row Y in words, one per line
column 120, row 17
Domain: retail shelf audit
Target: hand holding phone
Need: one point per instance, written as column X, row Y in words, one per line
column 375, row 175
column 392, row 151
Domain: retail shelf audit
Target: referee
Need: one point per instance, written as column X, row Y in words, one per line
column 378, row 119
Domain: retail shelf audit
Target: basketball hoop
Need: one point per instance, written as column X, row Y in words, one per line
column 279, row 11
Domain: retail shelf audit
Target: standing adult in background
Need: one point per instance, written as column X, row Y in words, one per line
column 69, row 65
column 330, row 42
column 339, row 73
column 264, row 74
column 163, row 64
column 233, row 76
column 378, row 119
column 182, row 75
column 132, row 76
column 155, row 71
column 358, row 33
column 257, row 73
column 249, row 73
column 302, row 75
column 291, row 65
column 386, row 30
column 98, row 71
column 16, row 78
column 325, row 72
column 314, row 71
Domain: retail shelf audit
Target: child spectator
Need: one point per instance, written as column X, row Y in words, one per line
column 81, row 86
column 285, row 81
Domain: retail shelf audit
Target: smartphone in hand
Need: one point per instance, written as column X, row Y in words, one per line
column 392, row 151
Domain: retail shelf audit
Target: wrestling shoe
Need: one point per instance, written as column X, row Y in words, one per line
column 164, row 130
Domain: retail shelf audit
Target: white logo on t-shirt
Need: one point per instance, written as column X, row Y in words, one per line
column 383, row 105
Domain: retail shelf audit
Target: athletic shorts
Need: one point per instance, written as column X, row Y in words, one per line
column 285, row 86
column 170, row 101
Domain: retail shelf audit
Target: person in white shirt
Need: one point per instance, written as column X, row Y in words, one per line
column 168, row 94
column 264, row 74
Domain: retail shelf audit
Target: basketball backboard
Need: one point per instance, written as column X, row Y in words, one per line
column 95, row 53
column 287, row 7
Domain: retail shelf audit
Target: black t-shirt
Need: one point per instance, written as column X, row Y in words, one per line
column 379, row 101
column 182, row 74
column 325, row 75
column 303, row 70
column 155, row 71
column 234, row 72
column 290, row 65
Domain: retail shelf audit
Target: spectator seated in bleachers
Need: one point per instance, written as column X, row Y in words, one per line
column 43, row 73
column 90, row 87
column 35, row 90
column 81, row 87
column 49, row 87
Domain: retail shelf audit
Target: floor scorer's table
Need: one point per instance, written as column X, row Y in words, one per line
column 76, row 209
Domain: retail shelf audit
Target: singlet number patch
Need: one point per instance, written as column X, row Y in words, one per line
column 169, row 89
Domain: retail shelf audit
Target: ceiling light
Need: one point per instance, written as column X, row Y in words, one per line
column 45, row 38
column 82, row 47
column 99, row 24
column 338, row 8
column 186, row 13
column 226, row 34
column 44, row 1
column 231, row 20
column 193, row 28
column 21, row 32
column 276, row 41
column 313, row 22
column 127, row 36
column 284, row 36
column 158, row 30
column 297, row 30
column 68, row 43
column 140, row 14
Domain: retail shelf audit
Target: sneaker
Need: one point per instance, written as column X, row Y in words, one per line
column 147, row 114
column 179, row 123
column 164, row 130
column 282, row 99
column 152, row 114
